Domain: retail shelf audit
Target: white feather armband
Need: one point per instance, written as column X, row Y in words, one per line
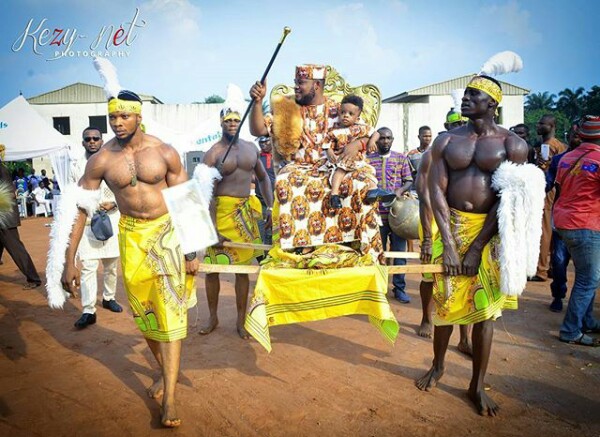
column 72, row 198
column 521, row 188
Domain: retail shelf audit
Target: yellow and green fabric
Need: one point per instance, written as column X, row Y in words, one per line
column 325, row 290
column 237, row 220
column 158, row 289
column 464, row 300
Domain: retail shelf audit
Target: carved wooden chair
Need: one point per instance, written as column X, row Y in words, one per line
column 336, row 88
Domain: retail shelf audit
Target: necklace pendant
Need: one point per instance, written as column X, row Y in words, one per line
column 133, row 182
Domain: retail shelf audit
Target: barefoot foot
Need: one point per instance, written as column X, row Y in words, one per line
column 168, row 417
column 465, row 348
column 212, row 324
column 425, row 330
column 430, row 379
column 484, row 404
column 157, row 389
column 242, row 332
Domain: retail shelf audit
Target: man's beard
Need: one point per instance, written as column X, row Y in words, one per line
column 384, row 150
column 307, row 99
column 123, row 141
column 228, row 136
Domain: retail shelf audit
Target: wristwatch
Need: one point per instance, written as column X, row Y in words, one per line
column 190, row 256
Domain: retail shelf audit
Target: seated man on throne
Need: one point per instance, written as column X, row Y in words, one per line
column 298, row 125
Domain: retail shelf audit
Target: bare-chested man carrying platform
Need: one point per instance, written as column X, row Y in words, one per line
column 158, row 279
column 233, row 214
column 465, row 209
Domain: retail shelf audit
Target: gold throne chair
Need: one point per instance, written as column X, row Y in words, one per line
column 336, row 88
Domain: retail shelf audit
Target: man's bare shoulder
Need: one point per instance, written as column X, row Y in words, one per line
column 164, row 148
column 102, row 156
column 441, row 140
column 212, row 155
column 248, row 145
column 516, row 148
column 152, row 141
column 216, row 148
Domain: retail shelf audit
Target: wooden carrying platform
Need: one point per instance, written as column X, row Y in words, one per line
column 250, row 269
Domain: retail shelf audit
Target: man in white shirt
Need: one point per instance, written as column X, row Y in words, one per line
column 92, row 251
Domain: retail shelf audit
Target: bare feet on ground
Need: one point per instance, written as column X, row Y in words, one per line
column 484, row 404
column 242, row 332
column 430, row 379
column 157, row 389
column 169, row 417
column 465, row 348
column 212, row 324
column 425, row 330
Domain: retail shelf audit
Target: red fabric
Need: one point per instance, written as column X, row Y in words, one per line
column 267, row 157
column 578, row 206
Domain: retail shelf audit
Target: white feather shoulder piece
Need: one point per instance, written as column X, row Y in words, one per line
column 72, row 198
column 206, row 177
column 521, row 188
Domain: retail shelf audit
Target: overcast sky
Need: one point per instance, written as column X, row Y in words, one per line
column 183, row 51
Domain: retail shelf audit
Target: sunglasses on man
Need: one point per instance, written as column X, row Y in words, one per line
column 88, row 139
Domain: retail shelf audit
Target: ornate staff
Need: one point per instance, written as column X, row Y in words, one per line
column 286, row 31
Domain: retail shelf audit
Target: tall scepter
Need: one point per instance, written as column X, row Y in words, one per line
column 286, row 32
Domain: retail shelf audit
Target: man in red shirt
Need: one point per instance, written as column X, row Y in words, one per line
column 577, row 220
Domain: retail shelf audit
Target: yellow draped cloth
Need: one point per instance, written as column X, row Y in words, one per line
column 464, row 300
column 158, row 289
column 237, row 220
column 292, row 295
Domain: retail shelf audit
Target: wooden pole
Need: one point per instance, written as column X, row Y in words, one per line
column 407, row 269
column 233, row 244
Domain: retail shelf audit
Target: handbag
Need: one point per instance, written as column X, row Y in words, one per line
column 101, row 226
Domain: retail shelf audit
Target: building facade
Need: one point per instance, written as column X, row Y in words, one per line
column 72, row 108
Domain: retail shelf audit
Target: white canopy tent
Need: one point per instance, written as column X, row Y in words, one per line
column 26, row 135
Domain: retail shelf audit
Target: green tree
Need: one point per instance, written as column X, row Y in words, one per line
column 571, row 102
column 543, row 101
column 591, row 105
column 13, row 166
column 214, row 99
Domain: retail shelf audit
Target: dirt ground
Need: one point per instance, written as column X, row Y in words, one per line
column 331, row 378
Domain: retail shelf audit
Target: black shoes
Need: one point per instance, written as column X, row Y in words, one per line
column 335, row 202
column 557, row 305
column 89, row 319
column 85, row 320
column 379, row 194
column 111, row 305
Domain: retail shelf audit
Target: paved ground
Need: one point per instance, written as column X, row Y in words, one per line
column 331, row 378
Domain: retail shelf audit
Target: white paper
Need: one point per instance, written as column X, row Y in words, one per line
column 190, row 216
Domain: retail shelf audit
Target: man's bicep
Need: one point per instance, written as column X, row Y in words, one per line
column 176, row 173
column 438, row 177
column 93, row 174
column 259, row 170
column 210, row 158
